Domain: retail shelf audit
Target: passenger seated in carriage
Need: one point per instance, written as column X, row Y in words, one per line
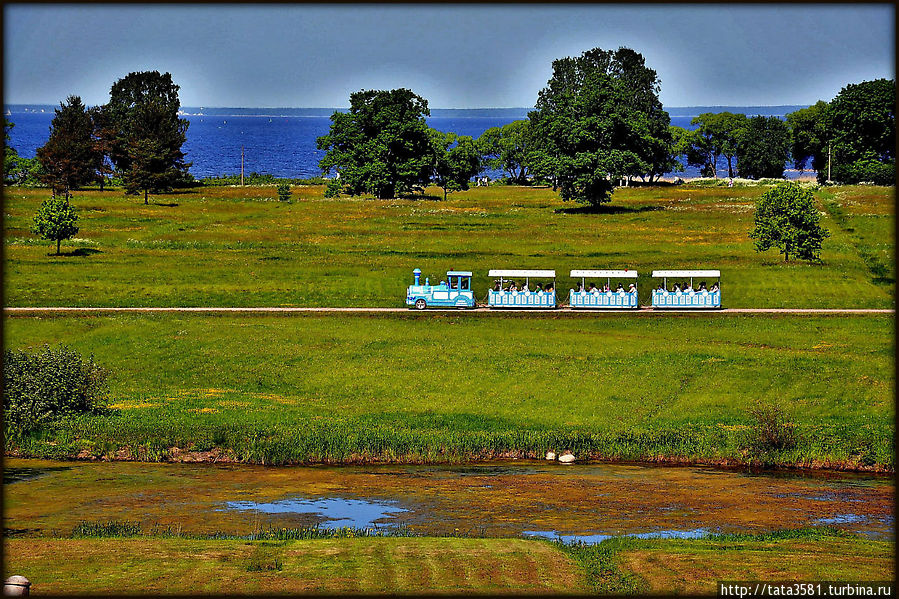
column 512, row 287
column 632, row 288
column 524, row 288
column 538, row 288
column 702, row 288
column 497, row 286
column 592, row 288
column 676, row 288
column 620, row 288
column 714, row 288
column 549, row 288
column 661, row 289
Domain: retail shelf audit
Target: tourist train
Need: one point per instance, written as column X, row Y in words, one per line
column 512, row 289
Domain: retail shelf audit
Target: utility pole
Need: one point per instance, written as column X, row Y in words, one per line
column 828, row 162
column 241, row 166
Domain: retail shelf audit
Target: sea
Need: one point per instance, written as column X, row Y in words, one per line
column 281, row 141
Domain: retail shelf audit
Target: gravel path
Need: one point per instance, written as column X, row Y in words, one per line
column 481, row 310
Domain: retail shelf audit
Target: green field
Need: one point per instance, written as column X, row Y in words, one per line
column 438, row 387
column 231, row 246
column 438, row 565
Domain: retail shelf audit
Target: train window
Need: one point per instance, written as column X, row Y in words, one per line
column 454, row 282
column 465, row 283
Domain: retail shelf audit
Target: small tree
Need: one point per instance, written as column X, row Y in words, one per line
column 284, row 192
column 55, row 220
column 786, row 218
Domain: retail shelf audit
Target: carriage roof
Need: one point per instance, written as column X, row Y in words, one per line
column 616, row 274
column 458, row 273
column 686, row 273
column 523, row 273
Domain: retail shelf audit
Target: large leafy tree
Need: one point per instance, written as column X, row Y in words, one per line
column 809, row 137
column 507, row 148
column 456, row 160
column 786, row 218
column 862, row 123
column 143, row 133
column 69, row 158
column 382, row 146
column 763, row 148
column 597, row 119
column 717, row 134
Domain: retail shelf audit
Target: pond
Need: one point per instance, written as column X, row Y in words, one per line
column 533, row 499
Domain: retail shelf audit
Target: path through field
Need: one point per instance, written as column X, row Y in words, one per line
column 643, row 311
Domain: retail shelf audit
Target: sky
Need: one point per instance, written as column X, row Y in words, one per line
column 455, row 56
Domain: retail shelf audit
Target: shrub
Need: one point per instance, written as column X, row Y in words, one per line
column 42, row 386
column 284, row 192
column 873, row 171
column 333, row 189
column 770, row 431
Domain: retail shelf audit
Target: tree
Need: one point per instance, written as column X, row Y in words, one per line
column 456, row 160
column 55, row 220
column 507, row 148
column 717, row 135
column 763, row 148
column 143, row 133
column 103, row 137
column 69, row 157
column 10, row 156
column 809, row 137
column 862, row 122
column 382, row 145
column 786, row 218
column 596, row 119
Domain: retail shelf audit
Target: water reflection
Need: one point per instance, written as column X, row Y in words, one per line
column 335, row 512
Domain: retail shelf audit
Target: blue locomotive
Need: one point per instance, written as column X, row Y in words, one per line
column 455, row 292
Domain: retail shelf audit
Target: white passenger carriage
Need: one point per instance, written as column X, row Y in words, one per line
column 621, row 296
column 509, row 292
column 683, row 295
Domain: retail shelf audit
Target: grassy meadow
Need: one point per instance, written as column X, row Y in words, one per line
column 439, row 565
column 445, row 387
column 232, row 246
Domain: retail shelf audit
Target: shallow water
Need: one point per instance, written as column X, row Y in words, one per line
column 581, row 502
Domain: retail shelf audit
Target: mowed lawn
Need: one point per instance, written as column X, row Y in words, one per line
column 431, row 387
column 438, row 565
column 232, row 246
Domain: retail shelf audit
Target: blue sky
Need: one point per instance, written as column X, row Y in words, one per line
column 456, row 56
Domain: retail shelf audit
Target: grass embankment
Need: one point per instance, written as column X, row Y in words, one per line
column 229, row 246
column 427, row 388
column 417, row 565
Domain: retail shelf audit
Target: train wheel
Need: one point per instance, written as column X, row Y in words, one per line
column 420, row 304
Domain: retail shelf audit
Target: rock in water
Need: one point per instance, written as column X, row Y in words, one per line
column 550, row 455
column 567, row 458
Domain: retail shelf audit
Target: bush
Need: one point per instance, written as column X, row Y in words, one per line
column 770, row 431
column 49, row 384
column 284, row 192
column 873, row 171
column 333, row 189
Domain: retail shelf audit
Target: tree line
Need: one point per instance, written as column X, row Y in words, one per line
column 137, row 136
column 598, row 121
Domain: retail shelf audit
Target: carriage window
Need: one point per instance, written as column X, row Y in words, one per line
column 465, row 283
column 454, row 282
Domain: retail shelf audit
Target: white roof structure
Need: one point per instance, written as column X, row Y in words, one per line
column 458, row 273
column 537, row 274
column 613, row 274
column 686, row 273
